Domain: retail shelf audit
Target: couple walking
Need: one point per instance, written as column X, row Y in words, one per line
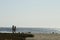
column 13, row 29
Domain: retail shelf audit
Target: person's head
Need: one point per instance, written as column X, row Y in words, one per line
column 12, row 26
column 15, row 26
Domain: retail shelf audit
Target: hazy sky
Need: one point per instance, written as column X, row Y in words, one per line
column 30, row 13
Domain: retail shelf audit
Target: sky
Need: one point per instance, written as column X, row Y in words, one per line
column 30, row 13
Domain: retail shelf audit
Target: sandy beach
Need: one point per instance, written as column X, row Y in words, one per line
column 40, row 36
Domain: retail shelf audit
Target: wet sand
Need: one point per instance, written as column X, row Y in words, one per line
column 41, row 36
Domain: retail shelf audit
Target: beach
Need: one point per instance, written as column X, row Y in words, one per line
column 30, row 36
column 42, row 36
column 38, row 33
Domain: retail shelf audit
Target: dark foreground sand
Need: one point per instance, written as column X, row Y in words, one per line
column 45, row 37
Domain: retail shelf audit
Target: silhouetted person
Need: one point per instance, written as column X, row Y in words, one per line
column 13, row 29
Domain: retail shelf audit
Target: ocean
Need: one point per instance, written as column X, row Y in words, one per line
column 32, row 30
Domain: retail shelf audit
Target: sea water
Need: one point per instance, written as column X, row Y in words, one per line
column 32, row 30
